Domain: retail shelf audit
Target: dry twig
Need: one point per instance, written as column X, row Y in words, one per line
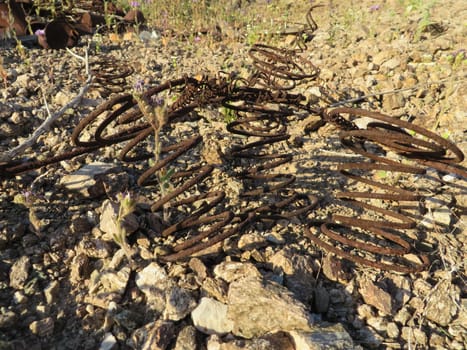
column 45, row 126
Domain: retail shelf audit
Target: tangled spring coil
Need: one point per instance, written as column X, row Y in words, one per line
column 359, row 231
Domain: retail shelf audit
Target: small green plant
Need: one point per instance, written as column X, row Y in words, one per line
column 155, row 111
column 446, row 135
column 457, row 59
column 29, row 199
column 127, row 205
column 229, row 115
column 422, row 25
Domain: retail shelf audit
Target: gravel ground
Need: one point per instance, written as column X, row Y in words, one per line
column 64, row 283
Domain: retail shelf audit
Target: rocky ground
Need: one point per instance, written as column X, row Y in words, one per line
column 65, row 283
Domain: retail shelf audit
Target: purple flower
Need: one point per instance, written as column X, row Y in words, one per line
column 139, row 85
column 134, row 3
column 460, row 52
column 197, row 39
column 27, row 195
column 39, row 32
column 375, row 7
column 157, row 100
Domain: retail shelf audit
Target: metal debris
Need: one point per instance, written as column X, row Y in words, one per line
column 263, row 106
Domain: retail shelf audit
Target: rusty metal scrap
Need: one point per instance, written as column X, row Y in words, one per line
column 33, row 23
column 263, row 106
column 425, row 150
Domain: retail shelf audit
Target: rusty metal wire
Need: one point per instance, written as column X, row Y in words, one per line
column 381, row 239
column 200, row 216
column 110, row 76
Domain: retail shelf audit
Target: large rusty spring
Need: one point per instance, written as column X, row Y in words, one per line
column 196, row 215
column 374, row 237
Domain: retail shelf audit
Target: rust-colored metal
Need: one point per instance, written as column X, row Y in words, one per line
column 377, row 237
column 12, row 18
column 198, row 216
column 64, row 26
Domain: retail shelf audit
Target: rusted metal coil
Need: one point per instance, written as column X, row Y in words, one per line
column 263, row 105
column 257, row 159
column 381, row 240
column 110, row 76
column 281, row 63
column 305, row 32
column 120, row 120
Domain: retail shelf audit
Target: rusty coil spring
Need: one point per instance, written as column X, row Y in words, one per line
column 382, row 239
column 201, row 217
column 257, row 159
column 278, row 68
column 120, row 120
column 110, row 76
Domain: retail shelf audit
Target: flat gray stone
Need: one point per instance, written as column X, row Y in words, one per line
column 85, row 180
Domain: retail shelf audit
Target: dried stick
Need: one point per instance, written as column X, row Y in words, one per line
column 45, row 126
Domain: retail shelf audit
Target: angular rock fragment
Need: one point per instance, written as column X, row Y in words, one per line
column 441, row 305
column 257, row 307
column 198, row 267
column 333, row 337
column 210, row 317
column 216, row 288
column 42, row 327
column 179, row 303
column 186, row 339
column 334, row 269
column 109, row 342
column 299, row 273
column 376, row 297
column 7, row 318
column 80, row 268
column 154, row 336
column 95, row 248
column 320, row 300
column 232, row 270
column 108, row 286
column 19, row 272
column 251, row 241
column 50, row 292
column 154, row 282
